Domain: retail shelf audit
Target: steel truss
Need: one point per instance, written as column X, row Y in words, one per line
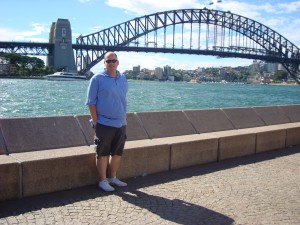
column 186, row 31
column 210, row 32
column 27, row 48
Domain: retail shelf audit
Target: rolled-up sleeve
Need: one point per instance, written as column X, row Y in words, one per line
column 91, row 98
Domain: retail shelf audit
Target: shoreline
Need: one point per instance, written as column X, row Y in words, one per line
column 21, row 77
column 42, row 78
column 284, row 84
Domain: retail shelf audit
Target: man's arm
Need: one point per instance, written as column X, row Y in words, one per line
column 93, row 112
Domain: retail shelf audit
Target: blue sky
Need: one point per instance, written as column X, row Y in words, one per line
column 30, row 20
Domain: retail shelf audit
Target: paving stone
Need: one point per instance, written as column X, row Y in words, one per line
column 260, row 189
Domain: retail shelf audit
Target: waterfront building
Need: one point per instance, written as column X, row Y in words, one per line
column 136, row 69
column 200, row 70
column 167, row 71
column 159, row 73
column 171, row 78
column 255, row 67
column 280, row 67
column 271, row 67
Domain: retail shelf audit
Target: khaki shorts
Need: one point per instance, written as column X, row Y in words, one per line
column 109, row 140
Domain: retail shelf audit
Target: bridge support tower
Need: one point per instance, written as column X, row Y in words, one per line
column 62, row 57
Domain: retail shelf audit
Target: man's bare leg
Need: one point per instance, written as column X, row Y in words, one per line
column 101, row 164
column 113, row 166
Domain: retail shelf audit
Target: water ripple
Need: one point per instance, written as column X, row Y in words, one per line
column 28, row 98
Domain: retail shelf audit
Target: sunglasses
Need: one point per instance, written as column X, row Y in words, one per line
column 111, row 61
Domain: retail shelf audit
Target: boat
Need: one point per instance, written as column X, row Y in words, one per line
column 65, row 76
column 194, row 81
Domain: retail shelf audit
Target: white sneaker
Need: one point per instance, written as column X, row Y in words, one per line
column 104, row 185
column 116, row 181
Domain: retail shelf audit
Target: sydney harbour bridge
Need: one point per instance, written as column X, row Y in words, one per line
column 185, row 31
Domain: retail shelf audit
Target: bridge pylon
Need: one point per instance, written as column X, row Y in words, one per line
column 63, row 55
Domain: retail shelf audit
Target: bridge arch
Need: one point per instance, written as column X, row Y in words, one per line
column 225, row 34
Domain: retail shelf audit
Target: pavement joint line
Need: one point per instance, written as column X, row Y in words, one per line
column 258, row 189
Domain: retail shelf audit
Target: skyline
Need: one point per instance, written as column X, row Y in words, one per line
column 25, row 21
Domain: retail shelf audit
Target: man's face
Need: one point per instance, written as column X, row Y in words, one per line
column 111, row 62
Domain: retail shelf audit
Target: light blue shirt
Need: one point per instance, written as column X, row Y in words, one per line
column 108, row 94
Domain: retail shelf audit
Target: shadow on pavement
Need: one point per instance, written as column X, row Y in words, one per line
column 20, row 206
column 175, row 210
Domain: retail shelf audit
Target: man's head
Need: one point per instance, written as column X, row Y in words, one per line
column 111, row 62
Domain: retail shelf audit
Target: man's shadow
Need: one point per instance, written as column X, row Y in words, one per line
column 174, row 210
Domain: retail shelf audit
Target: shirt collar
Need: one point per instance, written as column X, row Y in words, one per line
column 107, row 75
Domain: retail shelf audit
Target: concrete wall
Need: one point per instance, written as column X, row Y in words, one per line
column 54, row 170
column 10, row 178
column 143, row 157
column 2, row 145
column 40, row 133
column 166, row 124
column 209, row 120
column 271, row 115
column 292, row 112
column 243, row 117
column 45, row 154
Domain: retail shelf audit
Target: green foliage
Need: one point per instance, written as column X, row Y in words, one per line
column 280, row 75
column 178, row 75
column 25, row 65
column 130, row 75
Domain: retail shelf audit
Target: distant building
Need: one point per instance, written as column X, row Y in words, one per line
column 265, row 80
column 254, row 80
column 280, row 67
column 271, row 67
column 145, row 70
column 200, row 70
column 5, row 67
column 136, row 69
column 171, row 78
column 167, row 71
column 159, row 73
column 222, row 72
column 255, row 67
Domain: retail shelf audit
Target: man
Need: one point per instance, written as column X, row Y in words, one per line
column 106, row 99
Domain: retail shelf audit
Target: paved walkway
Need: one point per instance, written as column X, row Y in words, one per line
column 260, row 189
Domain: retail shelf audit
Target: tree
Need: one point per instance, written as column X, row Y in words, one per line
column 25, row 65
column 280, row 75
column 36, row 62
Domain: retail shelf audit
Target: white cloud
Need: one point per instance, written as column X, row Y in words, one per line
column 84, row 1
column 144, row 7
column 96, row 28
column 289, row 7
column 186, row 62
column 130, row 59
column 34, row 35
column 30, row 39
column 8, row 34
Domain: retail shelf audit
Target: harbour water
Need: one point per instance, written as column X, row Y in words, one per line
column 30, row 97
